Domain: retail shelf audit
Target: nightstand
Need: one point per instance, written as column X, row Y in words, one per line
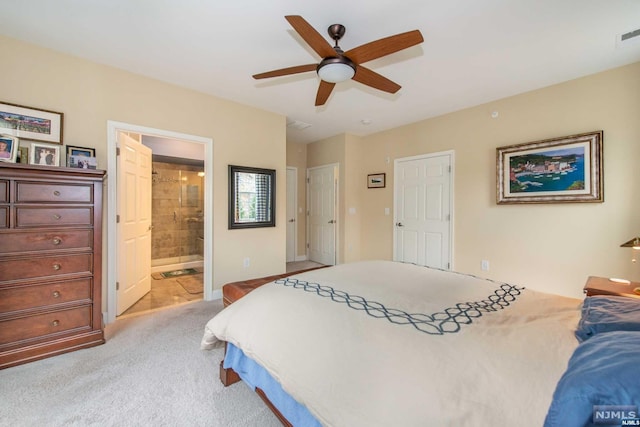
column 604, row 286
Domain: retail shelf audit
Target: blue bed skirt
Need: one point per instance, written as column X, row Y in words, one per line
column 256, row 376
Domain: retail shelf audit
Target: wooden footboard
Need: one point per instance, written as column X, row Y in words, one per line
column 232, row 292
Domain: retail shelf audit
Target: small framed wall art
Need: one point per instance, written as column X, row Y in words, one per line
column 376, row 180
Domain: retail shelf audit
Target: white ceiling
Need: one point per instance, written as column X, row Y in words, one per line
column 475, row 51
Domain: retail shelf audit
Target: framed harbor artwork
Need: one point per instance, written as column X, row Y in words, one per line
column 559, row 170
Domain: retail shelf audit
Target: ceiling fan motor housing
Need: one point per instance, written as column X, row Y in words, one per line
column 336, row 31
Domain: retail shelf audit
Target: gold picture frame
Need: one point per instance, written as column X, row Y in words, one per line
column 558, row 170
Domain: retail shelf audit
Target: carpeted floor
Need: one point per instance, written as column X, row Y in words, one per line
column 151, row 372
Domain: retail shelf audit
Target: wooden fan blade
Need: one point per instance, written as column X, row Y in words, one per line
column 375, row 80
column 286, row 71
column 324, row 90
column 385, row 46
column 311, row 36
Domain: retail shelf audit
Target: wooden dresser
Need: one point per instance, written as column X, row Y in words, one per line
column 50, row 261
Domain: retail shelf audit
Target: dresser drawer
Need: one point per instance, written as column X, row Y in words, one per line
column 36, row 296
column 27, row 241
column 4, row 216
column 51, row 217
column 4, row 191
column 38, row 326
column 49, row 266
column 29, row 192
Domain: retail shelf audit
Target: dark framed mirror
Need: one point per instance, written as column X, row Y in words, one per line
column 252, row 197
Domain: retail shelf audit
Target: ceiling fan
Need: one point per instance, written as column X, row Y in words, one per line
column 337, row 66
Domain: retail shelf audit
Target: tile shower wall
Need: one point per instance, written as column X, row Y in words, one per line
column 177, row 213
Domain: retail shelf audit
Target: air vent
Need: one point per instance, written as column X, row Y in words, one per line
column 298, row 125
column 629, row 38
column 630, row 35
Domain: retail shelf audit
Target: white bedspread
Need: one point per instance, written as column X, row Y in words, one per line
column 352, row 369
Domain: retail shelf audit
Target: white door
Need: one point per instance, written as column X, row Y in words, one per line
column 134, row 226
column 422, row 217
column 322, row 184
column 292, row 207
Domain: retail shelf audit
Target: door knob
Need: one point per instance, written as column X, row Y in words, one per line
column 399, row 224
column 292, row 220
column 332, row 221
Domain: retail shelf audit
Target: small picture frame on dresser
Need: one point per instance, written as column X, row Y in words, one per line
column 44, row 154
column 81, row 157
column 23, row 154
column 8, row 148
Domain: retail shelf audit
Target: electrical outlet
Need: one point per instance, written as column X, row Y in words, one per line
column 485, row 265
column 246, row 262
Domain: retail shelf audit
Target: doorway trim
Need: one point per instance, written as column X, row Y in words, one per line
column 294, row 170
column 113, row 127
column 452, row 156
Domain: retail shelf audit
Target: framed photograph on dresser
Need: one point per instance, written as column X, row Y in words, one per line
column 8, row 148
column 81, row 157
column 44, row 154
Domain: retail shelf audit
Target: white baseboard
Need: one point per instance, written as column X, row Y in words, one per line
column 301, row 258
column 217, row 294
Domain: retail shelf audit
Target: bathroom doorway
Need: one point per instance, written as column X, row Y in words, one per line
column 177, row 233
column 177, row 225
column 197, row 196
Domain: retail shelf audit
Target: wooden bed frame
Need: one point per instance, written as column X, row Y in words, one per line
column 232, row 292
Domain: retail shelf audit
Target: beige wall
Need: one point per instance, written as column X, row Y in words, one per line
column 297, row 158
column 89, row 94
column 550, row 247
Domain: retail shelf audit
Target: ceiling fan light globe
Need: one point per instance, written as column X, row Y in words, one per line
column 336, row 72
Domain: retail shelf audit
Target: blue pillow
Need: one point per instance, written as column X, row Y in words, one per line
column 608, row 313
column 604, row 370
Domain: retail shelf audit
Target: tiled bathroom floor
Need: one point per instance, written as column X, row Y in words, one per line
column 164, row 293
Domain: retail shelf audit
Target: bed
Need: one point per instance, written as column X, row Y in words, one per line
column 381, row 343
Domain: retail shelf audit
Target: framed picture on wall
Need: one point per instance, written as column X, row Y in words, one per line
column 8, row 148
column 44, row 154
column 31, row 123
column 376, row 180
column 558, row 170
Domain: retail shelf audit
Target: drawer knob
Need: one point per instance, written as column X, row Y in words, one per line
column 56, row 267
column 56, row 294
column 57, row 240
column 55, row 323
column 56, row 193
column 56, row 216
